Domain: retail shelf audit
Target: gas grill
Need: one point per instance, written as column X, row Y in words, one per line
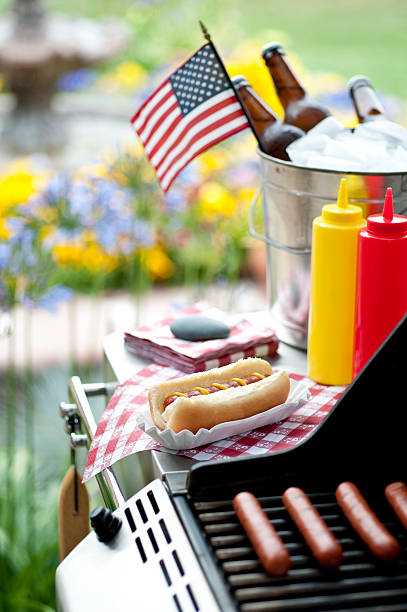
column 208, row 562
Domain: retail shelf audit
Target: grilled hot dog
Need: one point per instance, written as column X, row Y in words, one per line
column 265, row 540
column 320, row 540
column 203, row 400
column 366, row 524
column 396, row 495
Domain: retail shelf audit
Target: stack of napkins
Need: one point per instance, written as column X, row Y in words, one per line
column 157, row 343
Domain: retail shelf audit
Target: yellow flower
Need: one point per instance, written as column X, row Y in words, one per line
column 89, row 235
column 215, row 200
column 48, row 214
column 93, row 258
column 245, row 195
column 90, row 256
column 4, row 233
column 127, row 75
column 15, row 189
column 97, row 170
column 147, row 173
column 159, row 265
column 66, row 254
column 45, row 231
column 119, row 177
column 213, row 160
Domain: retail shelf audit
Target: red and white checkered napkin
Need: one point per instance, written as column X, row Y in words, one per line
column 157, row 343
column 118, row 435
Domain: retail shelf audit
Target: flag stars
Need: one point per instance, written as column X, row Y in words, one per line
column 197, row 80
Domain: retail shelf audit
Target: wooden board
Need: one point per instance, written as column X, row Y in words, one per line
column 73, row 526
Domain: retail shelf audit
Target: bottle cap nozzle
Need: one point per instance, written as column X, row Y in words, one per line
column 343, row 195
column 388, row 210
column 387, row 223
column 342, row 212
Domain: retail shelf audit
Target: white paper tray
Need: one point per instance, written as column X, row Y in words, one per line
column 297, row 397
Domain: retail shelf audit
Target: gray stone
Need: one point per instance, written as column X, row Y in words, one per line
column 198, row 327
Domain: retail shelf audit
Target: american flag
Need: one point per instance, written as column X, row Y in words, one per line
column 192, row 110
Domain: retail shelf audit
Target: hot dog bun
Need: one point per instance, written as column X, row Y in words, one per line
column 232, row 404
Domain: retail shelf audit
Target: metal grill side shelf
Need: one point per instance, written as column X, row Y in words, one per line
column 109, row 487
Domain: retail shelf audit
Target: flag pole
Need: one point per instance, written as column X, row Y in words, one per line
column 218, row 57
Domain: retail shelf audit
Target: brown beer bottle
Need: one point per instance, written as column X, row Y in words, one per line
column 273, row 135
column 299, row 108
column 365, row 100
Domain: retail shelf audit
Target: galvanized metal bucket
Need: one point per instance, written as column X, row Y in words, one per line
column 292, row 196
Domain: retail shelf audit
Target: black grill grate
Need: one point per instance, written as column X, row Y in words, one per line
column 361, row 583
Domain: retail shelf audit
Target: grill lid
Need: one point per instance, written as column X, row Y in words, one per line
column 373, row 398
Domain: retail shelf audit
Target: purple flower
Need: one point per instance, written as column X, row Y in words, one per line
column 5, row 251
column 15, row 225
column 50, row 299
column 80, row 200
column 175, row 201
column 143, row 233
column 189, row 175
column 244, row 175
column 58, row 188
column 77, row 79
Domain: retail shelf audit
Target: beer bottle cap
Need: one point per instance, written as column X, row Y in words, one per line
column 271, row 48
column 240, row 81
column 358, row 81
column 387, row 223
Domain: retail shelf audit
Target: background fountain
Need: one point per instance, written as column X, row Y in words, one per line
column 36, row 49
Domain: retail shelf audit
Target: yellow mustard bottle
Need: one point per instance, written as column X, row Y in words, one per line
column 333, row 291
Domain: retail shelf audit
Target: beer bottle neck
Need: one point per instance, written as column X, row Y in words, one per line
column 260, row 113
column 286, row 82
column 367, row 104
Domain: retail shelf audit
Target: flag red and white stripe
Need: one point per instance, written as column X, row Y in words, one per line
column 174, row 130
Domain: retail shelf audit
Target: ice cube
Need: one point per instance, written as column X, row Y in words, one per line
column 329, row 126
column 395, row 162
column 376, row 146
column 324, row 162
column 308, row 144
column 300, row 157
column 343, row 150
column 382, row 129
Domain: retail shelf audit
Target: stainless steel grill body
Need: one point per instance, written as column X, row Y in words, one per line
column 149, row 566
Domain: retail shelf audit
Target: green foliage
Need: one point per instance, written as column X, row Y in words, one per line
column 28, row 539
column 346, row 37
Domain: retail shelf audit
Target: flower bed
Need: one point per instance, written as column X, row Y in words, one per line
column 107, row 225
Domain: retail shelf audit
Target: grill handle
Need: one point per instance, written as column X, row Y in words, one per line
column 108, row 485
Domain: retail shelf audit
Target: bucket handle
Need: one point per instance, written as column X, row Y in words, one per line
column 266, row 239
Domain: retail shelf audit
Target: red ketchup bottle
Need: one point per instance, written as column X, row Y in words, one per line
column 381, row 286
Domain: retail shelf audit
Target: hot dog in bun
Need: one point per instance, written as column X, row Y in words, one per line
column 203, row 400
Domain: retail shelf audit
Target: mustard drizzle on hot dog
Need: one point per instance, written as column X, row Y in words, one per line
column 215, row 387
